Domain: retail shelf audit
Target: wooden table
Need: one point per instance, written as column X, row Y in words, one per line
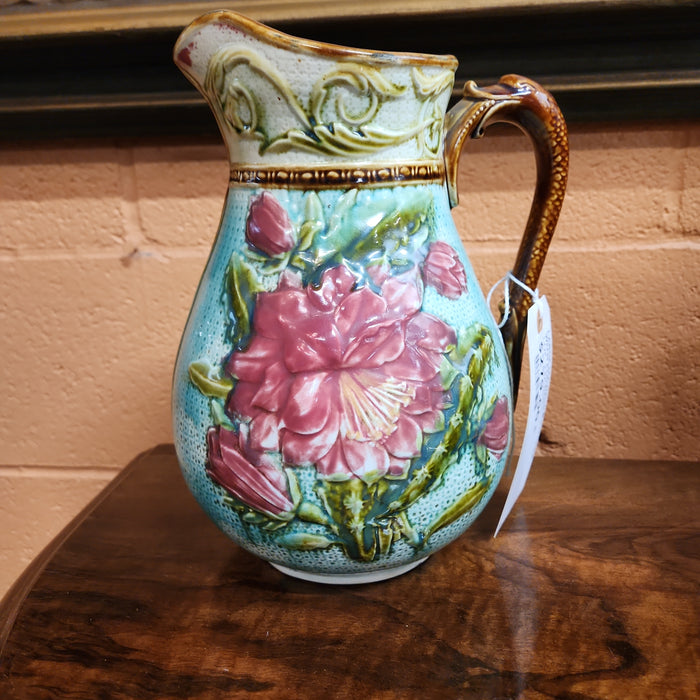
column 591, row 591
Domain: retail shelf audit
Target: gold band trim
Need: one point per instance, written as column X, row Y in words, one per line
column 326, row 177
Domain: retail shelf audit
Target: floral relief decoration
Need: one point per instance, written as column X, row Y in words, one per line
column 340, row 117
column 336, row 370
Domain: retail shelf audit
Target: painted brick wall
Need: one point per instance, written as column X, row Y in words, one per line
column 102, row 245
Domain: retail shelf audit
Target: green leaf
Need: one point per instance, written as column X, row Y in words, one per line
column 439, row 423
column 243, row 285
column 268, row 266
column 275, row 524
column 397, row 229
column 387, row 226
column 313, row 221
column 219, row 415
column 340, row 216
column 467, row 340
column 311, row 513
column 448, row 373
column 342, row 219
column 208, row 382
column 465, row 503
column 352, row 506
column 251, row 516
column 397, row 526
column 305, row 541
column 293, row 483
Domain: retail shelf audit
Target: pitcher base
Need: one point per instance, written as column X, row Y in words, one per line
column 350, row 579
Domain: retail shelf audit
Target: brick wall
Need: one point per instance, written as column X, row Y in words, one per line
column 102, row 245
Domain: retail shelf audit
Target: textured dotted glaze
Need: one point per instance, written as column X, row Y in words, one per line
column 205, row 339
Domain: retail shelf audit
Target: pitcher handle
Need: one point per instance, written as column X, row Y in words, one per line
column 527, row 105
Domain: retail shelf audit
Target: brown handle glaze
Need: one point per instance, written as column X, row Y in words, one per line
column 527, row 105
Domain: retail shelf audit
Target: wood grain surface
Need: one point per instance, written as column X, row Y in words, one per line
column 591, row 591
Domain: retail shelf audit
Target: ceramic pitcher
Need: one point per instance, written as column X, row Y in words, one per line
column 343, row 398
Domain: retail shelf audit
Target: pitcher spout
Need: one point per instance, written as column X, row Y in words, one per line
column 279, row 100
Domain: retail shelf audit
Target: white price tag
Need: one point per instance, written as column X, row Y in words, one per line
column 539, row 341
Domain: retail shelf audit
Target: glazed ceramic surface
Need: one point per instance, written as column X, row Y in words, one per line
column 343, row 398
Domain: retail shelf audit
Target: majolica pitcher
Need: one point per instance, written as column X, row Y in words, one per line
column 343, row 399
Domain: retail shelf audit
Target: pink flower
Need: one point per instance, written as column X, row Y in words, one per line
column 248, row 475
column 443, row 270
column 345, row 379
column 268, row 227
column 497, row 429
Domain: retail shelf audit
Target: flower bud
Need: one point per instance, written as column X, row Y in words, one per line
column 268, row 227
column 443, row 270
column 256, row 482
column 494, row 436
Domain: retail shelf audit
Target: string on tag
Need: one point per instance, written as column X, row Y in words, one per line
column 506, row 280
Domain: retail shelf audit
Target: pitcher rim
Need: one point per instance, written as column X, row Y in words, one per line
column 311, row 46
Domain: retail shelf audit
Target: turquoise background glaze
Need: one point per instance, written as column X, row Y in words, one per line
column 205, row 339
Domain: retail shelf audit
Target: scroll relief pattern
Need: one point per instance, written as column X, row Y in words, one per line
column 252, row 98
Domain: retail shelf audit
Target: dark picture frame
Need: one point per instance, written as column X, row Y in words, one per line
column 104, row 68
